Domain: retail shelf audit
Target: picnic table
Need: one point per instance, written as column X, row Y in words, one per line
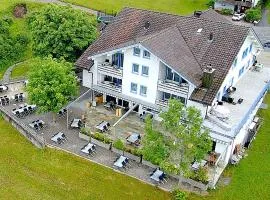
column 3, row 88
column 37, row 124
column 103, row 126
column 134, row 138
column 58, row 137
column 157, row 175
column 89, row 148
column 23, row 108
column 76, row 123
column 121, row 162
column 196, row 165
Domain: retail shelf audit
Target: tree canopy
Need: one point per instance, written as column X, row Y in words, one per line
column 12, row 47
column 182, row 141
column 61, row 31
column 51, row 84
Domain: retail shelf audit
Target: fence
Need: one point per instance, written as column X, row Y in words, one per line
column 28, row 133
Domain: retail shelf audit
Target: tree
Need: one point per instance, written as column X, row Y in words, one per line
column 183, row 140
column 51, row 84
column 154, row 147
column 253, row 14
column 61, row 31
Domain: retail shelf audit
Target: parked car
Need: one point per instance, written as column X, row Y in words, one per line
column 266, row 45
column 238, row 16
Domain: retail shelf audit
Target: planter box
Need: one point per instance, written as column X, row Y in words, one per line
column 84, row 137
column 194, row 183
column 99, row 143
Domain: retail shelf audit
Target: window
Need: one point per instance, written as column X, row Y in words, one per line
column 118, row 60
column 146, row 54
column 135, row 68
column 173, row 76
column 241, row 71
column 136, row 51
column 143, row 90
column 250, row 47
column 145, row 70
column 245, row 53
column 133, row 88
column 167, row 96
column 234, row 62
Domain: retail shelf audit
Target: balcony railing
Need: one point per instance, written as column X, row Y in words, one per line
column 173, row 88
column 107, row 85
column 161, row 103
column 108, row 69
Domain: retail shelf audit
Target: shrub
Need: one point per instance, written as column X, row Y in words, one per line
column 101, row 137
column 253, row 14
column 200, row 175
column 85, row 131
column 226, row 11
column 179, row 195
column 211, row 3
column 8, row 20
column 134, row 151
column 119, row 144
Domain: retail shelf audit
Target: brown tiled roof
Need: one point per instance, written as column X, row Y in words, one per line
column 176, row 41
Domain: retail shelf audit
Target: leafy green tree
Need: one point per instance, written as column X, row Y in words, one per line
column 61, row 31
column 253, row 14
column 51, row 84
column 12, row 48
column 154, row 147
column 190, row 140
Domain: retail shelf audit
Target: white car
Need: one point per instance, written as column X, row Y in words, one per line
column 238, row 16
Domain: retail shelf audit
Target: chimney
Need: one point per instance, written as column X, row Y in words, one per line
column 197, row 13
column 208, row 76
column 211, row 36
column 147, row 25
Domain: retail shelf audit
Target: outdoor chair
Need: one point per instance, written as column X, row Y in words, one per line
column 1, row 90
column 40, row 125
column 59, row 141
column 17, row 113
column 36, row 127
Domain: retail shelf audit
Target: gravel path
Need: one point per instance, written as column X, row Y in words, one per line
column 7, row 74
column 88, row 10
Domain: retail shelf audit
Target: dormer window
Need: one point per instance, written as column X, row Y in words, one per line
column 136, row 51
column 146, row 54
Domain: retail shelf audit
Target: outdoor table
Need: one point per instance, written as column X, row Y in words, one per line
column 156, row 175
column 256, row 119
column 88, row 147
column 57, row 136
column 4, row 88
column 196, row 165
column 75, row 123
column 120, row 161
column 133, row 138
column 102, row 125
column 252, row 126
column 37, row 122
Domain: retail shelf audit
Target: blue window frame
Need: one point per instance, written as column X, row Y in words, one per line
column 234, row 62
column 146, row 54
column 225, row 90
column 135, row 68
column 136, row 51
column 133, row 88
column 241, row 71
column 143, row 90
column 245, row 53
column 145, row 71
column 118, row 60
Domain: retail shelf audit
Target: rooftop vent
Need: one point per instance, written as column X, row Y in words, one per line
column 211, row 36
column 197, row 13
column 147, row 25
column 208, row 76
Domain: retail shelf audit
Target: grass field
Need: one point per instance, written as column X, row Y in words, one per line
column 182, row 7
column 251, row 178
column 30, row 173
column 21, row 70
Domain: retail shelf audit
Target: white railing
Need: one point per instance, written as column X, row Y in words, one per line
column 108, row 69
column 173, row 88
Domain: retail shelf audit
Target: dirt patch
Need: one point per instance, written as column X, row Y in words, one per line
column 20, row 10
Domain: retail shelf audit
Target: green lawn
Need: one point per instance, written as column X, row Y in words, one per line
column 251, row 178
column 21, row 70
column 30, row 173
column 182, row 7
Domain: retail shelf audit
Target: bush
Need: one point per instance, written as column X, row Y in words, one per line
column 22, row 39
column 101, row 137
column 8, row 20
column 200, row 175
column 211, row 3
column 226, row 11
column 119, row 144
column 253, row 14
column 134, row 151
column 85, row 131
column 179, row 195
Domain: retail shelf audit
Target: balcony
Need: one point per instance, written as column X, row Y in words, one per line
column 173, row 88
column 111, row 86
column 107, row 69
column 161, row 103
